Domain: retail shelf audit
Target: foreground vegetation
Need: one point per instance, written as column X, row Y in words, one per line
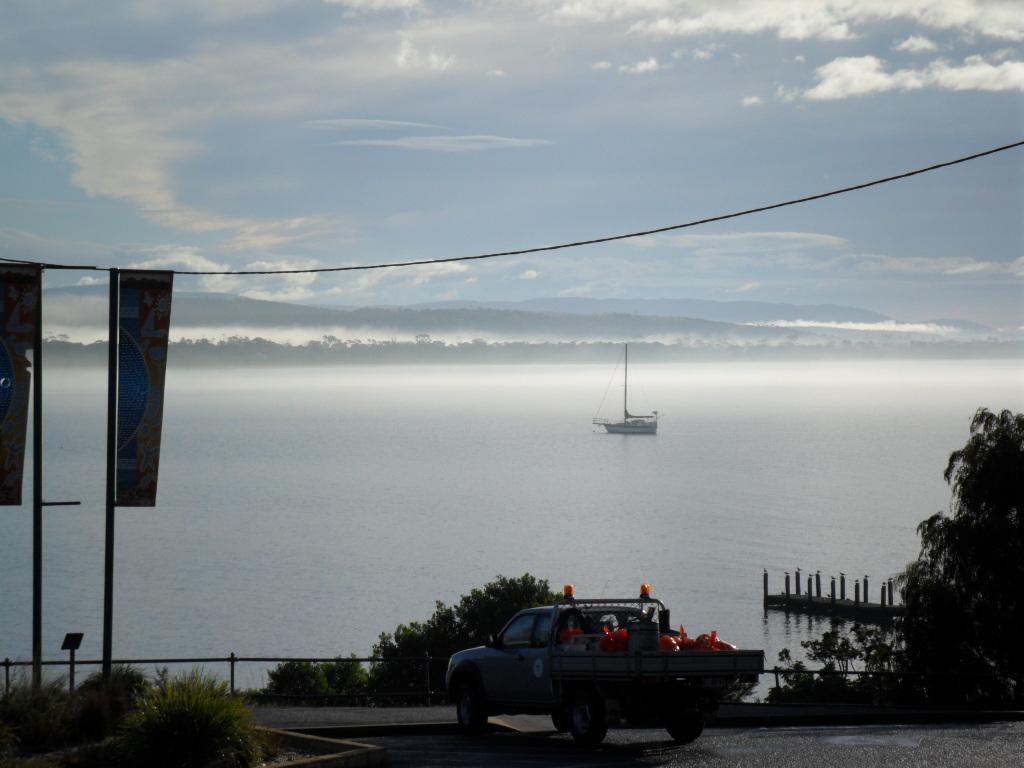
column 961, row 640
column 188, row 721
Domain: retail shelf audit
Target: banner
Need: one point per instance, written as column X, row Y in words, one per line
column 144, row 323
column 19, row 294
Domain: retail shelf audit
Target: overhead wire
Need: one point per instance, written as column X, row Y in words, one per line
column 561, row 246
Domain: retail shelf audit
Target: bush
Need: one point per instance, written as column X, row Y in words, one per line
column 8, row 741
column 480, row 613
column 41, row 720
column 189, row 721
column 297, row 678
column 303, row 678
column 102, row 706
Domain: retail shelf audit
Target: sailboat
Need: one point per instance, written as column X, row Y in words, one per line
column 631, row 424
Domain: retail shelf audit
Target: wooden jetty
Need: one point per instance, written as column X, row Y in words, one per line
column 838, row 605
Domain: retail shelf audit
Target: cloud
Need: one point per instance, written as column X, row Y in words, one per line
column 861, row 75
column 808, row 19
column 800, row 59
column 641, row 67
column 529, row 274
column 752, row 285
column 916, row 44
column 883, row 326
column 744, row 242
column 409, row 56
column 471, row 143
column 369, row 6
column 703, row 54
column 357, row 123
column 750, row 101
column 599, row 65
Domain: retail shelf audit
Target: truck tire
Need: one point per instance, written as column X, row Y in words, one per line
column 588, row 721
column 684, row 724
column 469, row 707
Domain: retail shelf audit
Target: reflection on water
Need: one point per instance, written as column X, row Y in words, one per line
column 304, row 511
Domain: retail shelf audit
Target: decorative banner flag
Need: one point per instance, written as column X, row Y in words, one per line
column 19, row 295
column 144, row 325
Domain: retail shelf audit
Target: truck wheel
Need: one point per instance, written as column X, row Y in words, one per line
column 469, row 706
column 560, row 719
column 587, row 720
column 684, row 724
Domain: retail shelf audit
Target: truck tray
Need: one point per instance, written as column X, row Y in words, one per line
column 654, row 665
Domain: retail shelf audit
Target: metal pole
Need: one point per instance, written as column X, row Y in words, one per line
column 108, row 558
column 37, row 494
column 427, row 665
column 231, row 660
column 71, row 671
column 7, row 676
column 625, row 387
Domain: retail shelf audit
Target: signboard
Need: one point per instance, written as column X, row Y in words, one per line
column 20, row 286
column 144, row 323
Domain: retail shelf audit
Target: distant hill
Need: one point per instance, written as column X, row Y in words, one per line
column 721, row 311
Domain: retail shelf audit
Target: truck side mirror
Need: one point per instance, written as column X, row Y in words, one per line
column 492, row 641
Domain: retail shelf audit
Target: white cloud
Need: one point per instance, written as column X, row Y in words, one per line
column 800, row 59
column 641, row 67
column 367, row 6
column 703, row 54
column 529, row 274
column 471, row 143
column 916, row 44
column 409, row 56
column 883, row 326
column 807, row 19
column 860, row 75
column 750, row 101
column 741, row 242
column 496, row 72
column 358, row 123
column 599, row 65
column 747, row 287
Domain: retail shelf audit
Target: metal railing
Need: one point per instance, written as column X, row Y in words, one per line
column 426, row 693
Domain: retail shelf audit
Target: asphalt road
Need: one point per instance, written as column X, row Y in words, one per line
column 995, row 745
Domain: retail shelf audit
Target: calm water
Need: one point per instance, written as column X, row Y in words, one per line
column 304, row 511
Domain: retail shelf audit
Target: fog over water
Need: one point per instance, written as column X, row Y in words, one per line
column 304, row 511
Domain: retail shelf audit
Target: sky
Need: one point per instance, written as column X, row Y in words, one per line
column 280, row 133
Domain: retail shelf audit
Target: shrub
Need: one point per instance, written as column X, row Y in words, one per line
column 345, row 675
column 190, row 721
column 297, row 678
column 102, row 706
column 41, row 720
column 7, row 740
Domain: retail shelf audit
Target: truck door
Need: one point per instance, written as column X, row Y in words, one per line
column 533, row 683
column 506, row 666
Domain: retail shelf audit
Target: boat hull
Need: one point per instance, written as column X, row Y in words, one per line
column 631, row 429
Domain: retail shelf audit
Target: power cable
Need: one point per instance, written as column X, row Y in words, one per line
column 560, row 246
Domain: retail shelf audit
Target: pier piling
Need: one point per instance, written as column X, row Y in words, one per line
column 867, row 595
column 842, row 585
column 817, row 583
column 766, row 583
column 890, row 591
column 856, row 592
column 798, row 581
column 787, row 584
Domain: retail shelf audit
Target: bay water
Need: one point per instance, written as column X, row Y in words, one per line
column 304, row 511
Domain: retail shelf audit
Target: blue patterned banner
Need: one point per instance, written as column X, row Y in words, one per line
column 19, row 295
column 144, row 326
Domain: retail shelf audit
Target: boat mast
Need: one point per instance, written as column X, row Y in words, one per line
column 625, row 387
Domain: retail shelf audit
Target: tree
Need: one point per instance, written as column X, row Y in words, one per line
column 963, row 593
column 482, row 612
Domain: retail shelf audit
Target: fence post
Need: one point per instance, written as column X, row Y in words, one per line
column 231, row 661
column 776, row 671
column 427, row 665
column 7, row 676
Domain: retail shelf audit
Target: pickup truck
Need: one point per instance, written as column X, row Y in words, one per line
column 561, row 660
